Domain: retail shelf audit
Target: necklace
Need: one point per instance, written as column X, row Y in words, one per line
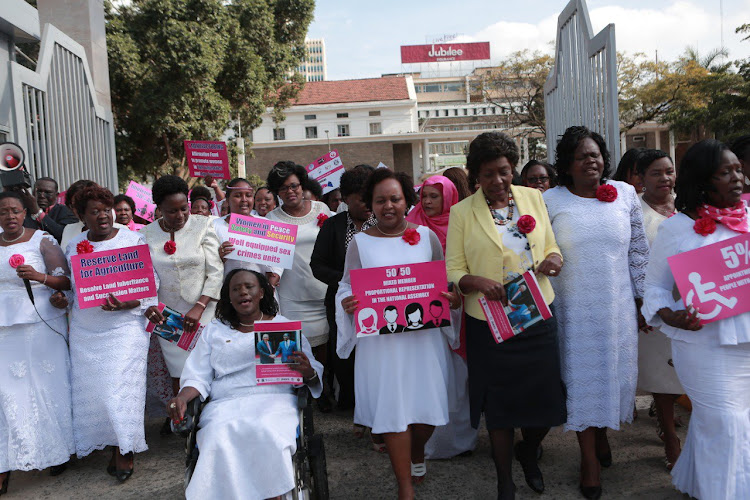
column 14, row 239
column 497, row 218
column 406, row 225
column 253, row 324
column 666, row 210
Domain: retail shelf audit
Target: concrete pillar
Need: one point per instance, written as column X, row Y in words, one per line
column 657, row 139
column 672, row 146
column 416, row 160
column 524, row 151
column 83, row 21
column 425, row 156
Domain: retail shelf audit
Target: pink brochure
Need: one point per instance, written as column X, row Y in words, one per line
column 144, row 203
column 327, row 170
column 275, row 342
column 403, row 298
column 172, row 329
column 715, row 279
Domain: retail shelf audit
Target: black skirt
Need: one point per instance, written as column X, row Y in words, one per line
column 516, row 383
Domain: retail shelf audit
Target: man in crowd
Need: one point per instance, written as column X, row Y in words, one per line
column 43, row 211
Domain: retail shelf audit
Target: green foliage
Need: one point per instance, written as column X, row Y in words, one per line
column 184, row 69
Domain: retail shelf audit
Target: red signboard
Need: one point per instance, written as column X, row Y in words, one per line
column 443, row 52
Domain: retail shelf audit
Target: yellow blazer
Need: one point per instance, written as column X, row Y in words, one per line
column 474, row 245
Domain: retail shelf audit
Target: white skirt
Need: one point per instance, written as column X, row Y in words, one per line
column 312, row 313
column 715, row 462
column 655, row 374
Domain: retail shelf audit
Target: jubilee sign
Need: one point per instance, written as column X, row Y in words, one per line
column 445, row 52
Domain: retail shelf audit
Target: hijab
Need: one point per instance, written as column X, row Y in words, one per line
column 439, row 223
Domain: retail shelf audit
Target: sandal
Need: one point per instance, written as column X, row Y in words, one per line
column 669, row 462
column 379, row 447
column 418, row 472
column 358, row 430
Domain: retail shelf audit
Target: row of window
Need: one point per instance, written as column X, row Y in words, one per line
column 311, row 68
column 454, row 128
column 342, row 130
column 439, row 87
column 490, row 110
column 314, row 78
column 341, row 115
column 315, row 59
column 316, row 49
column 449, row 148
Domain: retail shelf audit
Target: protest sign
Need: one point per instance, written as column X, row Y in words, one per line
column 715, row 279
column 126, row 273
column 327, row 170
column 401, row 298
column 206, row 158
column 274, row 343
column 144, row 203
column 172, row 330
column 262, row 241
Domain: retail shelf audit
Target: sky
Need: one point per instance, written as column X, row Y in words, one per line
column 363, row 37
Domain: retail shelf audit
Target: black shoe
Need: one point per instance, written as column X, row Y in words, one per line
column 123, row 475
column 591, row 492
column 56, row 470
column 606, row 459
column 4, row 486
column 531, row 471
column 324, row 404
column 509, row 494
column 166, row 429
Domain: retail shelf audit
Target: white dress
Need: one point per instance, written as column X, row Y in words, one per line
column 36, row 428
column 399, row 379
column 247, row 433
column 108, row 351
column 195, row 269
column 713, row 365
column 655, row 374
column 301, row 295
column 605, row 254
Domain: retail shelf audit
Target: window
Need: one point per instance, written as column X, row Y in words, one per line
column 343, row 129
column 455, row 112
column 374, row 113
column 311, row 132
column 279, row 134
column 466, row 112
column 342, row 115
column 310, row 117
column 376, row 128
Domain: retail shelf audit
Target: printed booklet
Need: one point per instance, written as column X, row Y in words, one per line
column 172, row 329
column 275, row 342
column 526, row 307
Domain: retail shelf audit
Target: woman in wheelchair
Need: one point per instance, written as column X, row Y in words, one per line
column 247, row 433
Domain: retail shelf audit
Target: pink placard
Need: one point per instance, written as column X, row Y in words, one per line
column 207, row 158
column 403, row 298
column 275, row 342
column 715, row 279
column 327, row 170
column 262, row 241
column 126, row 273
column 144, row 203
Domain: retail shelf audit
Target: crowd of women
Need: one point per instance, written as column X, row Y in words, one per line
column 74, row 380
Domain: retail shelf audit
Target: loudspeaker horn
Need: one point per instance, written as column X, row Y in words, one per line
column 12, row 156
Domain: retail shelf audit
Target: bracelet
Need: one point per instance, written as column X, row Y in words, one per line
column 199, row 303
column 311, row 379
column 45, row 280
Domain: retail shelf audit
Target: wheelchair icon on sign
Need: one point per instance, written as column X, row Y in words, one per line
column 705, row 293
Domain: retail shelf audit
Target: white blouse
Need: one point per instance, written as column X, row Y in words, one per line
column 676, row 235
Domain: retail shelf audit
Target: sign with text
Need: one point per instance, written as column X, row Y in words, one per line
column 262, row 241
column 275, row 342
column 206, row 158
column 327, row 170
column 445, row 52
column 126, row 273
column 402, row 298
column 173, row 330
column 144, row 202
column 715, row 279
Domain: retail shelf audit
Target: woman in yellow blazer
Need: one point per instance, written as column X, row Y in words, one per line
column 494, row 236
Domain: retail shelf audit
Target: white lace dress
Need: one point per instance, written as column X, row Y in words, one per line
column 36, row 429
column 605, row 252
column 108, row 351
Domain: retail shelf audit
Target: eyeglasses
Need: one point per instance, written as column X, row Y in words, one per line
column 290, row 187
column 537, row 180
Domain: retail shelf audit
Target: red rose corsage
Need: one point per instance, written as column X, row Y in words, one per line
column 411, row 236
column 606, row 193
column 526, row 224
column 321, row 219
column 84, row 246
column 704, row 226
column 16, row 260
column 170, row 247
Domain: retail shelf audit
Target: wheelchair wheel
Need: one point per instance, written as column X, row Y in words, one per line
column 318, row 468
column 190, row 467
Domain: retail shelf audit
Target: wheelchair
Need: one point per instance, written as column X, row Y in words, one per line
column 309, row 461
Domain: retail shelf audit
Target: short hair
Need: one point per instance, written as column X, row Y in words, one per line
column 699, row 163
column 48, row 179
column 414, row 307
column 127, row 199
column 741, row 147
column 487, row 147
column 566, row 149
column 382, row 174
column 281, row 172
column 551, row 172
column 314, row 187
column 12, row 194
column 240, row 180
column 458, row 177
column 389, row 308
column 647, row 157
column 167, row 185
column 266, row 188
column 627, row 164
column 353, row 181
column 200, row 193
column 225, row 311
column 93, row 193
column 436, row 303
column 73, row 190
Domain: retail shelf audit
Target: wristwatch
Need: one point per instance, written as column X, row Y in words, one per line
column 312, row 379
column 35, row 217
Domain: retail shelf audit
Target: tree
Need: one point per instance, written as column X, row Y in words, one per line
column 184, row 69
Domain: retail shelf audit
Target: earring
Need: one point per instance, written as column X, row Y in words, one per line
column 643, row 189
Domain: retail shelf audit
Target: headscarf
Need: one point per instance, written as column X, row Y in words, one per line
column 439, row 223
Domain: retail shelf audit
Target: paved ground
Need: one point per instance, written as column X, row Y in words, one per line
column 356, row 472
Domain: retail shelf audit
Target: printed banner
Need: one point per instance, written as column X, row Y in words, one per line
column 126, row 273
column 206, row 158
column 172, row 330
column 715, row 279
column 262, row 241
column 444, row 52
column 144, row 203
column 275, row 342
column 327, row 170
column 404, row 298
